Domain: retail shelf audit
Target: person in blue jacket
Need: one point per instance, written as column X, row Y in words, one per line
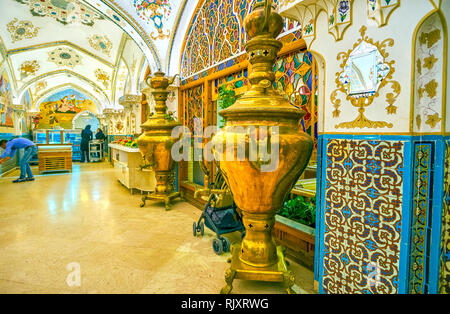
column 11, row 147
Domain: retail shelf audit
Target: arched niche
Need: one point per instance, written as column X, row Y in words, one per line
column 84, row 118
column 429, row 77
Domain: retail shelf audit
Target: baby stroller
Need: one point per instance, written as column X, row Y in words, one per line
column 220, row 214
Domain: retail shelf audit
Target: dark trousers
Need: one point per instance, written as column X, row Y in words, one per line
column 83, row 154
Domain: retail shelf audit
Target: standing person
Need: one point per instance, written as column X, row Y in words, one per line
column 100, row 135
column 86, row 136
column 11, row 147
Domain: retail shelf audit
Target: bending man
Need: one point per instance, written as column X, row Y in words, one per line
column 11, row 147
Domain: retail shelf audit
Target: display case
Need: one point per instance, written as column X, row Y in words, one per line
column 48, row 137
column 40, row 137
column 55, row 136
column 73, row 137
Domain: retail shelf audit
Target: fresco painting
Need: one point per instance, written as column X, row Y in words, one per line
column 58, row 110
column 6, row 113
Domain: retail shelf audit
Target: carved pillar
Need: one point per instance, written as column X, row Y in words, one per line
column 132, row 108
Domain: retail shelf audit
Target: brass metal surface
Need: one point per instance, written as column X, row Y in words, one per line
column 257, row 193
column 275, row 273
column 156, row 141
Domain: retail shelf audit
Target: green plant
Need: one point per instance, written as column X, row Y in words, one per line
column 300, row 210
column 225, row 99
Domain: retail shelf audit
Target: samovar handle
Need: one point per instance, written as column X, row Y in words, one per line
column 172, row 79
column 267, row 10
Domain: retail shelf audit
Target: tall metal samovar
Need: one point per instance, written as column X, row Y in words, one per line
column 156, row 141
column 260, row 194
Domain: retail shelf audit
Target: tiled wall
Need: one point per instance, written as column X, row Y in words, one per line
column 444, row 261
column 381, row 214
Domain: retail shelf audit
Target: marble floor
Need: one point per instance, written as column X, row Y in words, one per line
column 85, row 225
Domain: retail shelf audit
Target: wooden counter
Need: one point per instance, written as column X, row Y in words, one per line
column 55, row 157
column 127, row 162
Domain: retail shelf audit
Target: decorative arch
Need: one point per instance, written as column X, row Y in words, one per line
column 80, row 114
column 53, row 73
column 429, row 74
column 321, row 73
column 143, row 68
column 115, row 89
column 429, row 271
column 216, row 35
column 61, row 88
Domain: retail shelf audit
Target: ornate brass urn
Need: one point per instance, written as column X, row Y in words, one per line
column 156, row 141
column 260, row 194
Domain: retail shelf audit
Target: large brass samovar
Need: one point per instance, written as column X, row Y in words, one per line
column 260, row 194
column 156, row 141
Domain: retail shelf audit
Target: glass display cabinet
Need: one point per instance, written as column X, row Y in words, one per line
column 73, row 137
column 58, row 137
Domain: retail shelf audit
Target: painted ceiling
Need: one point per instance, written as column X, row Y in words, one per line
column 49, row 45
column 101, row 47
column 151, row 23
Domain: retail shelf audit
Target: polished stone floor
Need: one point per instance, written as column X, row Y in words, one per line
column 90, row 219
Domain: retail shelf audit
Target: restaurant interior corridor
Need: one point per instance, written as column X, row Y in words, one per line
column 89, row 218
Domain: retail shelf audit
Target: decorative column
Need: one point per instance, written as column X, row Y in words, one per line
column 19, row 114
column 260, row 192
column 156, row 142
column 108, row 114
column 132, row 106
column 118, row 121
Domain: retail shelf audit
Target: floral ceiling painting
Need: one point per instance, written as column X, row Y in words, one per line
column 155, row 12
column 20, row 30
column 64, row 56
column 63, row 11
column 59, row 109
column 29, row 68
column 101, row 43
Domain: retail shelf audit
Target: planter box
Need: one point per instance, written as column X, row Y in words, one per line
column 298, row 239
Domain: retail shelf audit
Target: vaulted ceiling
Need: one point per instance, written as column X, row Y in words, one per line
column 49, row 45
column 100, row 47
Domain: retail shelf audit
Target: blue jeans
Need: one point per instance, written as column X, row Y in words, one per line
column 25, row 169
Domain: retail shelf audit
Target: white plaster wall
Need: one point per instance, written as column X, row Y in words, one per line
column 400, row 28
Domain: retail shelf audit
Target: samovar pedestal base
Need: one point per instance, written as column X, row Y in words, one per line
column 166, row 198
column 275, row 273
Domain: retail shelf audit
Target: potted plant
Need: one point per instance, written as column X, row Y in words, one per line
column 295, row 229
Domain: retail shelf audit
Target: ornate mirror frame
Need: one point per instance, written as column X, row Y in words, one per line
column 365, row 99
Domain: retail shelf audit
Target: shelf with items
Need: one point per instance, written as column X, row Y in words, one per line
column 53, row 137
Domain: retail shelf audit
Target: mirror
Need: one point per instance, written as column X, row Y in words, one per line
column 364, row 71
